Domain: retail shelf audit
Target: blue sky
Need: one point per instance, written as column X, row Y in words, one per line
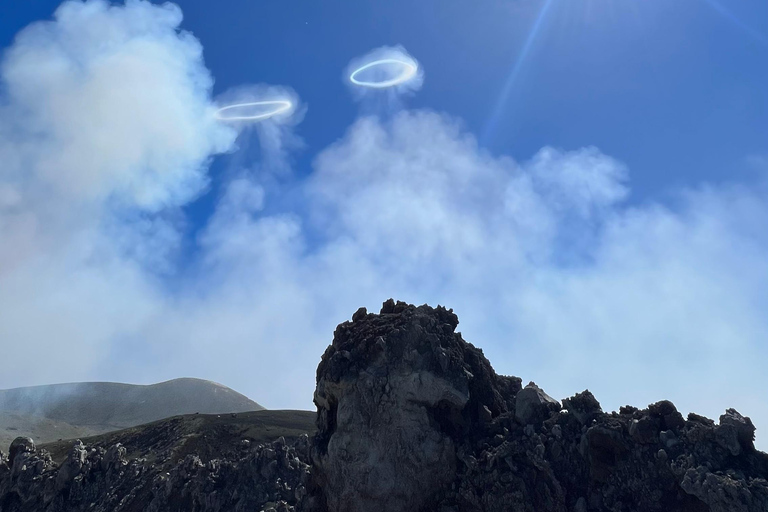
column 674, row 89
column 582, row 180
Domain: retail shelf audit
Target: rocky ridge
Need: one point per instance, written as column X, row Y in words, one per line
column 268, row 477
column 412, row 417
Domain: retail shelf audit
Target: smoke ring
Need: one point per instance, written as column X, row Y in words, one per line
column 280, row 107
column 409, row 71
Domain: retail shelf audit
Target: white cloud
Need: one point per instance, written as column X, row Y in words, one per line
column 669, row 306
column 109, row 100
column 106, row 127
column 656, row 305
column 551, row 272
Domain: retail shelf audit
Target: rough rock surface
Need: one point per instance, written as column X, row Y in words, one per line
column 410, row 417
column 270, row 477
column 395, row 392
column 413, row 418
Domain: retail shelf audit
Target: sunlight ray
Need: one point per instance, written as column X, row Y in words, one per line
column 501, row 102
column 758, row 36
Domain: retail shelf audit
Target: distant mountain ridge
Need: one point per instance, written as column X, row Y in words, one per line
column 103, row 406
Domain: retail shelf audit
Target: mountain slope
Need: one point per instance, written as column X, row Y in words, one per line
column 88, row 408
column 207, row 435
column 43, row 430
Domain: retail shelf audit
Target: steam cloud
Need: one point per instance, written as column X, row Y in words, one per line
column 274, row 135
column 386, row 74
column 551, row 272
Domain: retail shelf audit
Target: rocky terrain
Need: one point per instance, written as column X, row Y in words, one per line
column 237, row 461
column 60, row 411
column 13, row 425
column 410, row 417
column 209, row 436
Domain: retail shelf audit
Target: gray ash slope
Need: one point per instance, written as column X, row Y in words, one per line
column 124, row 405
column 413, row 418
column 48, row 413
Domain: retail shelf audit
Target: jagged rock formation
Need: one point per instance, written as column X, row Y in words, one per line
column 413, row 418
column 395, row 393
column 270, row 476
column 187, row 463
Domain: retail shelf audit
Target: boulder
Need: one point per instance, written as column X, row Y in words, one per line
column 72, row 466
column 584, row 406
column 18, row 446
column 533, row 405
column 735, row 432
column 667, row 414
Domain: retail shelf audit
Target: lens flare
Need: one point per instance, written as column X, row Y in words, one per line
column 409, row 70
column 730, row 16
column 506, row 90
column 240, row 111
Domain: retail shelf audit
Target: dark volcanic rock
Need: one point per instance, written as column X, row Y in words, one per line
column 533, row 405
column 196, row 462
column 395, row 393
column 411, row 417
column 20, row 445
column 272, row 475
column 584, row 406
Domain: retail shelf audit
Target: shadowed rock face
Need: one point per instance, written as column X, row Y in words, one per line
column 413, row 418
column 394, row 393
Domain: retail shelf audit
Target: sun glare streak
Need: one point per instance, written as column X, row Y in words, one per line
column 512, row 78
column 761, row 38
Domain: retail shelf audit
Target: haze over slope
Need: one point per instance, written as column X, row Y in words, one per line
column 88, row 408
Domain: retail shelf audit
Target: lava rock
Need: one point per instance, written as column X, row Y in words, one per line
column 644, row 430
column 533, row 405
column 412, row 417
column 584, row 406
column 18, row 446
column 735, row 432
column 666, row 412
column 393, row 393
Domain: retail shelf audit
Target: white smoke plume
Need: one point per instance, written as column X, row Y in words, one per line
column 381, row 78
column 274, row 136
column 106, row 129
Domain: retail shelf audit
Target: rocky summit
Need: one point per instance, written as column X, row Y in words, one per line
column 410, row 417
